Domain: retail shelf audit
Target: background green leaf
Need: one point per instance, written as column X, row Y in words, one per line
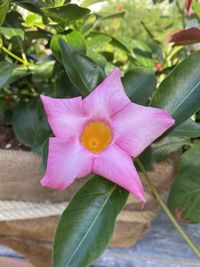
column 179, row 93
column 184, row 200
column 66, row 13
column 25, row 120
column 139, row 84
column 188, row 128
column 82, row 71
column 4, row 5
column 87, row 224
column 6, row 70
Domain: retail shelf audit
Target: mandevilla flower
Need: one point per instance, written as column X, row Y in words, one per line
column 99, row 134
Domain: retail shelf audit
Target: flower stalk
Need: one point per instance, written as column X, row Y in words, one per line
column 167, row 211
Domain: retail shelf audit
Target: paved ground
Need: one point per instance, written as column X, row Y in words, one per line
column 162, row 247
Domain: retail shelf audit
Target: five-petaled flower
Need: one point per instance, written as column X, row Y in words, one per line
column 100, row 134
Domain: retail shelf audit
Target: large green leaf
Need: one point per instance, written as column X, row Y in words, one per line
column 188, row 128
column 86, row 225
column 139, row 84
column 184, row 200
column 4, row 6
column 179, row 93
column 168, row 145
column 66, row 13
column 6, row 70
column 25, row 121
column 82, row 71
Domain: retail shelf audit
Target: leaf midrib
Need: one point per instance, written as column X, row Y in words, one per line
column 80, row 74
column 92, row 224
column 185, row 97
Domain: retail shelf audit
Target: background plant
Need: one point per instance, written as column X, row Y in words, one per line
column 32, row 62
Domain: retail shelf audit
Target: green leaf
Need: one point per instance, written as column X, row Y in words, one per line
column 58, row 2
column 41, row 135
column 168, row 145
column 44, row 70
column 98, row 39
column 4, row 6
column 33, row 6
column 179, row 93
column 184, row 199
column 6, row 70
column 82, row 71
column 188, row 128
column 67, row 13
column 33, row 20
column 86, row 225
column 139, row 84
column 9, row 33
column 74, row 38
column 25, row 120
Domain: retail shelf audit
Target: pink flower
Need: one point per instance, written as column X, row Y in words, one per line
column 100, row 134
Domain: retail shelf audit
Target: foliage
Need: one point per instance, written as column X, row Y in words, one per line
column 61, row 49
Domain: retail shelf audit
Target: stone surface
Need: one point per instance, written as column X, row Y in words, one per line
column 162, row 246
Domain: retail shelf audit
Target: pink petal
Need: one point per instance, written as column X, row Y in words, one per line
column 67, row 160
column 65, row 116
column 108, row 98
column 117, row 166
column 136, row 127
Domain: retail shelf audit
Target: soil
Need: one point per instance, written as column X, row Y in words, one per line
column 8, row 139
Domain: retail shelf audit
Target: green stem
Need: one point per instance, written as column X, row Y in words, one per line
column 167, row 211
column 13, row 55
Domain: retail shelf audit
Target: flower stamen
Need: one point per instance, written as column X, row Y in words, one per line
column 96, row 136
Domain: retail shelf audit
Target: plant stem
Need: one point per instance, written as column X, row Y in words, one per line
column 167, row 211
column 13, row 55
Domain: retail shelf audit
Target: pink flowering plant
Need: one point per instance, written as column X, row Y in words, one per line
column 96, row 106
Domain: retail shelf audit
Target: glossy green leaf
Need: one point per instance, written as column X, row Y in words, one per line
column 179, row 93
column 184, row 199
column 75, row 40
column 139, row 84
column 168, row 145
column 4, row 6
column 188, row 128
column 6, row 70
column 33, row 20
column 66, row 13
column 25, row 120
column 86, row 225
column 82, row 71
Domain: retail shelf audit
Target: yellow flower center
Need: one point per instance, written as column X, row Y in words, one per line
column 96, row 136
